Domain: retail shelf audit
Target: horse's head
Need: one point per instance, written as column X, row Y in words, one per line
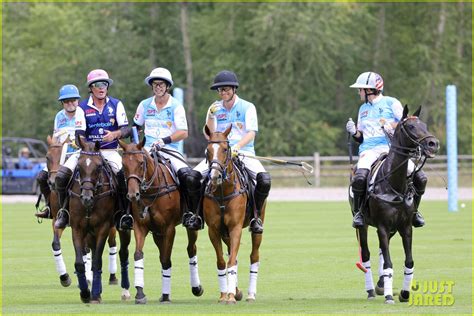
column 218, row 155
column 412, row 133
column 134, row 160
column 53, row 157
column 90, row 164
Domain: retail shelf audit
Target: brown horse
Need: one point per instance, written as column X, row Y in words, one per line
column 53, row 162
column 225, row 203
column 156, row 208
column 92, row 206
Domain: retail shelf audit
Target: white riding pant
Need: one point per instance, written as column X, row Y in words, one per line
column 254, row 166
column 368, row 157
column 176, row 163
column 111, row 156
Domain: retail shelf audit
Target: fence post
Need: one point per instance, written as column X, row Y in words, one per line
column 452, row 148
column 317, row 170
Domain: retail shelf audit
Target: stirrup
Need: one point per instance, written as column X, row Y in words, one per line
column 358, row 220
column 186, row 217
column 63, row 215
column 44, row 212
column 256, row 225
column 126, row 222
column 194, row 222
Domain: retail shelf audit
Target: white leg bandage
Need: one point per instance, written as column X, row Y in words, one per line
column 253, row 276
column 407, row 278
column 139, row 272
column 222, row 278
column 113, row 260
column 88, row 263
column 381, row 262
column 166, row 281
column 369, row 281
column 232, row 279
column 388, row 282
column 59, row 261
column 194, row 272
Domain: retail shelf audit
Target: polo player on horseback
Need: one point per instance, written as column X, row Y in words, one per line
column 378, row 116
column 98, row 118
column 64, row 127
column 243, row 116
column 164, row 121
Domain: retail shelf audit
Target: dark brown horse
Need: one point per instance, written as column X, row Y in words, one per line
column 390, row 206
column 53, row 161
column 156, row 208
column 225, row 203
column 92, row 206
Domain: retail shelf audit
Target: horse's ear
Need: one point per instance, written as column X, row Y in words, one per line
column 82, row 142
column 227, row 130
column 97, row 145
column 122, row 143
column 207, row 131
column 405, row 112
column 49, row 140
column 417, row 112
column 142, row 143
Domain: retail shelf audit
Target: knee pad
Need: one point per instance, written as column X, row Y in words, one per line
column 193, row 180
column 42, row 177
column 63, row 177
column 359, row 182
column 183, row 173
column 419, row 181
column 264, row 182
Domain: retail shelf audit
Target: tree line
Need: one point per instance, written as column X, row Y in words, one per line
column 294, row 61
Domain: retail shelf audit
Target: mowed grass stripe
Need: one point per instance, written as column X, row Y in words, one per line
column 307, row 259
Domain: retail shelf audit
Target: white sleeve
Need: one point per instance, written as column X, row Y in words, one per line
column 397, row 109
column 122, row 119
column 80, row 119
column 180, row 118
column 251, row 121
column 139, row 117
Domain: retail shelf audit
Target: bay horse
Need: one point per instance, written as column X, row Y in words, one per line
column 225, row 203
column 92, row 205
column 389, row 206
column 156, row 208
column 55, row 151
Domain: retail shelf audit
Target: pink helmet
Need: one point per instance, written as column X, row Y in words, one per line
column 98, row 75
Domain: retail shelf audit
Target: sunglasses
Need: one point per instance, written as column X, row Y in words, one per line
column 160, row 84
column 100, row 84
column 223, row 89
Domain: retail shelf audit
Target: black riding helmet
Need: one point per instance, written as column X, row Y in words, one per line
column 225, row 78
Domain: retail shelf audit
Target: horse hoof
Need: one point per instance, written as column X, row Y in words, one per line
column 65, row 280
column 197, row 290
column 96, row 300
column 404, row 296
column 222, row 301
column 389, row 299
column 238, row 295
column 125, row 295
column 140, row 300
column 86, row 296
column 370, row 294
column 165, row 299
column 379, row 290
column 113, row 280
column 231, row 301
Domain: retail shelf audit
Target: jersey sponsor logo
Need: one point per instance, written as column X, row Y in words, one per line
column 168, row 113
column 137, row 116
column 364, row 114
column 112, row 120
column 62, row 122
column 222, row 116
column 237, row 113
column 169, row 124
column 150, row 112
column 239, row 125
column 78, row 124
column 90, row 112
column 111, row 110
column 100, row 124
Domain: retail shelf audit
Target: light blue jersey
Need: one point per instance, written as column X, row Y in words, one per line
column 373, row 116
column 62, row 123
column 243, row 117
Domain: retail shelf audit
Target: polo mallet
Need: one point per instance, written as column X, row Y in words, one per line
column 349, row 146
column 304, row 165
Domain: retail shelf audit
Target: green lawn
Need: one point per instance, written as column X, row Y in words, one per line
column 308, row 260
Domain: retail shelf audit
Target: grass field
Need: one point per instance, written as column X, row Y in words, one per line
column 308, row 260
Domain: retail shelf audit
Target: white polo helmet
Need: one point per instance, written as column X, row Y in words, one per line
column 161, row 74
column 369, row 80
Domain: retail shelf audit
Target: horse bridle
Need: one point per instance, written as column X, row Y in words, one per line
column 53, row 171
column 411, row 151
column 221, row 166
column 94, row 184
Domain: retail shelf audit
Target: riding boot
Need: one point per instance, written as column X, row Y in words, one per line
column 191, row 218
column 183, row 190
column 62, row 180
column 358, row 188
column 260, row 195
column 42, row 181
column 125, row 220
column 419, row 182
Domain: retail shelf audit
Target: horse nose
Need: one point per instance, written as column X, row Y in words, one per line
column 433, row 144
column 87, row 200
column 133, row 196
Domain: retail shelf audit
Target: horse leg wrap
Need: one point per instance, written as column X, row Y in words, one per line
column 381, row 262
column 139, row 273
column 88, row 266
column 59, row 261
column 113, row 260
column 264, row 183
column 97, row 284
column 166, row 281
column 407, row 278
column 194, row 272
column 369, row 281
column 388, row 282
column 253, row 278
column 232, row 279
column 81, row 276
column 222, row 278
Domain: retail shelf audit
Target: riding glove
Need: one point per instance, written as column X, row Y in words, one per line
column 350, row 127
column 158, row 144
column 235, row 150
column 213, row 109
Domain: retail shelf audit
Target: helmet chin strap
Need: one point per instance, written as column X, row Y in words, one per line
column 366, row 92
